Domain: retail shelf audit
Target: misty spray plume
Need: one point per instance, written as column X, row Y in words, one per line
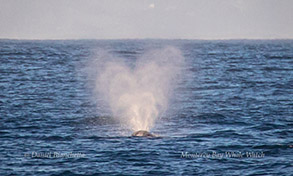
column 138, row 95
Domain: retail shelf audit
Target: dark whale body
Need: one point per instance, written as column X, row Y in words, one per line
column 142, row 133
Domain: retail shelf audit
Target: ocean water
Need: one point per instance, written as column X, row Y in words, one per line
column 231, row 114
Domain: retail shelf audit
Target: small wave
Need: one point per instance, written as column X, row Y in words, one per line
column 221, row 134
column 67, row 172
column 99, row 120
column 56, row 138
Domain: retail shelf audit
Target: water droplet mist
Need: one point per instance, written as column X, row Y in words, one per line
column 139, row 94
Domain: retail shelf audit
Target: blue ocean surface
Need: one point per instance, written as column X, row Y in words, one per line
column 231, row 114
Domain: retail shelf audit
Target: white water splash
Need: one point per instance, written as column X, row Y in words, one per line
column 138, row 96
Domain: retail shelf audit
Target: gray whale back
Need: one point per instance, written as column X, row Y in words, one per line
column 143, row 133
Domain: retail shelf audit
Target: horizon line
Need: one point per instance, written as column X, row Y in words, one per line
column 203, row 39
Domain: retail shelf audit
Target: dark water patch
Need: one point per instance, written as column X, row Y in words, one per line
column 276, row 69
column 211, row 117
column 68, row 173
column 28, row 127
column 127, row 52
column 273, row 148
column 56, row 138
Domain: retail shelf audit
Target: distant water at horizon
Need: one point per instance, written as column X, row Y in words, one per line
column 231, row 114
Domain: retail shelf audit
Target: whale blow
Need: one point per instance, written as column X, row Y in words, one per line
column 137, row 93
column 143, row 133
